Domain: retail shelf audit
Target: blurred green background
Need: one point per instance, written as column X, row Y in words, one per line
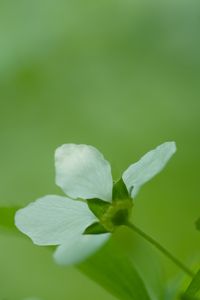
column 123, row 76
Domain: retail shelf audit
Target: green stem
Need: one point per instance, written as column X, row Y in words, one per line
column 162, row 249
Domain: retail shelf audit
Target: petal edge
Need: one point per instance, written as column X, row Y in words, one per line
column 80, row 248
column 83, row 172
column 50, row 219
column 148, row 166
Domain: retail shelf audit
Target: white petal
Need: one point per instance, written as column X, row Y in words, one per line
column 49, row 220
column 148, row 166
column 79, row 247
column 82, row 172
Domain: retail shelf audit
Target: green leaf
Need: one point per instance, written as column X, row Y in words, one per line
column 185, row 297
column 197, row 224
column 120, row 191
column 116, row 273
column 146, row 260
column 98, row 207
column 193, row 290
column 95, row 228
column 173, row 287
column 7, row 215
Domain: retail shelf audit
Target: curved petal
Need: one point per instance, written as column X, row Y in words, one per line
column 148, row 166
column 49, row 220
column 83, row 172
column 78, row 248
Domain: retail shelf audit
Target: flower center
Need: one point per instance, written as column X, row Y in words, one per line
column 110, row 215
column 117, row 214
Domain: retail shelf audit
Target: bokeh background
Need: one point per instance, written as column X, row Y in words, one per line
column 123, row 76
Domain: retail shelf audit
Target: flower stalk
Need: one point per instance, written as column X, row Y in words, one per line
column 161, row 249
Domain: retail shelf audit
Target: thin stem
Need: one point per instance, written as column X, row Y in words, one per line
column 162, row 249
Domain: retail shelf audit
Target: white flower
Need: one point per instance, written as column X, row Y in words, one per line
column 83, row 221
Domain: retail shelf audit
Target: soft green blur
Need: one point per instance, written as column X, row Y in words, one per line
column 123, row 76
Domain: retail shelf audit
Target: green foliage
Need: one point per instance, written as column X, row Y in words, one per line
column 98, row 207
column 116, row 273
column 186, row 297
column 197, row 224
column 95, row 228
column 7, row 219
column 120, row 191
column 193, row 290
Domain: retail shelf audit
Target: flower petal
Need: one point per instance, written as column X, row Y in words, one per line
column 83, row 172
column 79, row 247
column 49, row 220
column 148, row 166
